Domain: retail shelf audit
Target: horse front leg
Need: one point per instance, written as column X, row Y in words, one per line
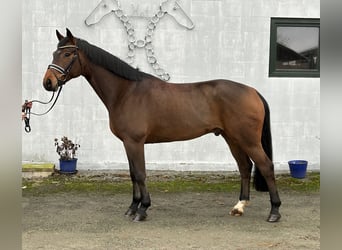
column 141, row 198
column 133, row 208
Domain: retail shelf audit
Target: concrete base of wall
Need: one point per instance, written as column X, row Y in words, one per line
column 41, row 169
column 205, row 167
column 37, row 170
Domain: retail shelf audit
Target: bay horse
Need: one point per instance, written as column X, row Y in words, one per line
column 145, row 109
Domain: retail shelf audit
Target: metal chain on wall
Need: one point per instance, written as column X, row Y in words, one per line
column 133, row 43
column 146, row 43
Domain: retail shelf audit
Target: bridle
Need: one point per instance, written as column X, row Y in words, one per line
column 26, row 107
column 65, row 71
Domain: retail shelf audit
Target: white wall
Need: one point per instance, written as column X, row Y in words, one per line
column 230, row 40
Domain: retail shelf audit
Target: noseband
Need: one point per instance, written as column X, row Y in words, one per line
column 65, row 72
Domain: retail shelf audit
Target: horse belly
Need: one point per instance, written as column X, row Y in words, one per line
column 184, row 127
column 174, row 135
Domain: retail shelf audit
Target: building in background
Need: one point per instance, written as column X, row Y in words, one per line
column 230, row 39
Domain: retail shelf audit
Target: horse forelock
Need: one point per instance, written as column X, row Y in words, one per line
column 63, row 42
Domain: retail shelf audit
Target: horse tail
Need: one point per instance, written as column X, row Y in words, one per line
column 266, row 141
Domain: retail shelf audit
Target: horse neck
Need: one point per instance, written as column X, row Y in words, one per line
column 108, row 86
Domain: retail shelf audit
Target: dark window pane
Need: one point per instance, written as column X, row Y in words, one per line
column 294, row 47
column 297, row 48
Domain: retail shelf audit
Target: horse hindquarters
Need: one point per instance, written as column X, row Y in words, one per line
column 247, row 128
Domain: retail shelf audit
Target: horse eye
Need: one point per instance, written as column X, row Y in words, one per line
column 67, row 54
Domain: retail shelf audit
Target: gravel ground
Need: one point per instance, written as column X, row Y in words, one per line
column 186, row 220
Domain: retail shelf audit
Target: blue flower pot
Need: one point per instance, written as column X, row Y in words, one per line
column 68, row 166
column 298, row 168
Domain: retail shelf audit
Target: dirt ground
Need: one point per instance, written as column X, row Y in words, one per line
column 186, row 220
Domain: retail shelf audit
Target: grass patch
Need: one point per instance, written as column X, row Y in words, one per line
column 38, row 167
column 311, row 183
column 178, row 183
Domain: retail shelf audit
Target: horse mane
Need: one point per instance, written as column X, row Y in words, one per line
column 108, row 61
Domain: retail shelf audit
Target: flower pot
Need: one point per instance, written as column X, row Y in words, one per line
column 298, row 168
column 68, row 166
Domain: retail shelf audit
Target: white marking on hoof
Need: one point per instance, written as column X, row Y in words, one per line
column 238, row 208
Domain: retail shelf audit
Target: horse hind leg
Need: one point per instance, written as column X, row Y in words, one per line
column 266, row 168
column 245, row 168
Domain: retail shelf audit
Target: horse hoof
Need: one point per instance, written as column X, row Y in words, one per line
column 274, row 217
column 130, row 212
column 140, row 217
column 236, row 212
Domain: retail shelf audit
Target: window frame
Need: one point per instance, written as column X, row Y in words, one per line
column 291, row 22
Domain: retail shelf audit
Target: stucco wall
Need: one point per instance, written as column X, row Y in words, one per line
column 230, row 40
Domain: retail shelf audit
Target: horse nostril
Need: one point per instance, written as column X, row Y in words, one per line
column 48, row 84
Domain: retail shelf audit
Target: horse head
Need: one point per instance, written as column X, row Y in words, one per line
column 64, row 66
column 174, row 9
column 104, row 8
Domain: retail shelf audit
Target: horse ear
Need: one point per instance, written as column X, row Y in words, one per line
column 59, row 35
column 70, row 36
column 68, row 32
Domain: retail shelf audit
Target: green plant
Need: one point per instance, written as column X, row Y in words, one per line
column 66, row 149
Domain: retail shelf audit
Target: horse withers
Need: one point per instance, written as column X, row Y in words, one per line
column 145, row 109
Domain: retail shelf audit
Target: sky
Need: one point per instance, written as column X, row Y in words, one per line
column 298, row 39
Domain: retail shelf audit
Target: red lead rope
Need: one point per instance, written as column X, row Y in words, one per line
column 25, row 114
column 26, row 109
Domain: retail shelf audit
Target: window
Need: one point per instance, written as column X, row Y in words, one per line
column 294, row 47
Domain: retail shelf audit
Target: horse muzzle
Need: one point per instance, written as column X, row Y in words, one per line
column 53, row 81
column 50, row 82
